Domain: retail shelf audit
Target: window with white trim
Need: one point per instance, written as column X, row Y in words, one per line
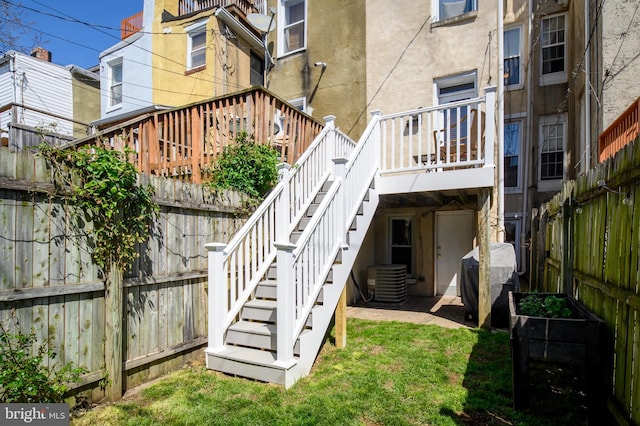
column 553, row 50
column 299, row 103
column 552, row 135
column 196, row 45
column 446, row 9
column 451, row 89
column 402, row 242
column 512, row 147
column 512, row 57
column 293, row 26
column 115, row 82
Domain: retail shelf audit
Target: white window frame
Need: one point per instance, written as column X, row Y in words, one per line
column 192, row 31
column 110, row 66
column 551, row 120
column 559, row 76
column 411, row 245
column 516, row 118
column 299, row 103
column 437, row 16
column 283, row 26
column 519, row 84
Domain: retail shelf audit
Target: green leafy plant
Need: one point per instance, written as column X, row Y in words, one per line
column 549, row 306
column 23, row 375
column 245, row 167
column 105, row 186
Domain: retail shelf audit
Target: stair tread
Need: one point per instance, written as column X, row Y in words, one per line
column 253, row 327
column 254, row 356
column 261, row 303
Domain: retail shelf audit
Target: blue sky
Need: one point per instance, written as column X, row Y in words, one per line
column 69, row 41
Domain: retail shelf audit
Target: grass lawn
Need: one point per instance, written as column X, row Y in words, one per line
column 390, row 373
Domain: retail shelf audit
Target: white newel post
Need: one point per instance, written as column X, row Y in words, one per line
column 339, row 173
column 285, row 291
column 332, row 149
column 376, row 114
column 217, row 295
column 490, row 126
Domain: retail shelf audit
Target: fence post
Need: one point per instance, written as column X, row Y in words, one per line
column 113, row 350
column 484, row 259
column 217, row 297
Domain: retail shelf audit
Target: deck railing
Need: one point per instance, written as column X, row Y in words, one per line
column 235, row 269
column 182, row 142
column 438, row 138
column 131, row 25
column 186, row 7
column 624, row 130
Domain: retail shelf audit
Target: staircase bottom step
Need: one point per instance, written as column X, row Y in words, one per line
column 253, row 364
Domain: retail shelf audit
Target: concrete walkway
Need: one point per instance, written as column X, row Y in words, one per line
column 445, row 311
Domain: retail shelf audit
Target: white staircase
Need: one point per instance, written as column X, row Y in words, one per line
column 274, row 288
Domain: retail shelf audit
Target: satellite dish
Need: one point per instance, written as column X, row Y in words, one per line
column 262, row 23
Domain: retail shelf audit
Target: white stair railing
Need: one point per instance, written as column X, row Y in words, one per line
column 236, row 269
column 303, row 267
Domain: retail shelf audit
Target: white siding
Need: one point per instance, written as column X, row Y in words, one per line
column 47, row 87
column 6, row 94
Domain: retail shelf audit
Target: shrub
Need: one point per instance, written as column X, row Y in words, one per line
column 549, row 306
column 23, row 376
column 245, row 167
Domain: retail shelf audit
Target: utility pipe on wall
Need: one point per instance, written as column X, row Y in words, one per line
column 500, row 119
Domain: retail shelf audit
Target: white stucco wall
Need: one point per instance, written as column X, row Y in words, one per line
column 620, row 57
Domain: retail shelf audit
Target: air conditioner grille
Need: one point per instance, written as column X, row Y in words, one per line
column 391, row 283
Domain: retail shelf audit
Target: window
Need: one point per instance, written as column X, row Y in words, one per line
column 512, row 55
column 553, row 131
column 299, row 103
column 512, row 144
column 196, row 45
column 293, row 15
column 115, row 83
column 257, row 70
column 552, row 45
column 451, row 89
column 401, row 243
column 445, row 9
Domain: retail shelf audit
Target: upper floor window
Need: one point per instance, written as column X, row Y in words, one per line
column 196, row 45
column 553, row 135
column 293, row 18
column 115, row 82
column 257, row 70
column 512, row 144
column 445, row 9
column 512, row 57
column 553, row 50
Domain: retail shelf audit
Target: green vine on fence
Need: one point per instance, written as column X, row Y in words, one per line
column 105, row 186
column 245, row 166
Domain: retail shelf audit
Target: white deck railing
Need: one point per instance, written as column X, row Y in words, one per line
column 235, row 269
column 304, row 266
column 439, row 138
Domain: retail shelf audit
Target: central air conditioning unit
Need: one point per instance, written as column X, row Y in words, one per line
column 278, row 125
column 388, row 283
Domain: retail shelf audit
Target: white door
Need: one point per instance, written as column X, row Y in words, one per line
column 454, row 239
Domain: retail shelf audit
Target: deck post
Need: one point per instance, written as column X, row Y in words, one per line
column 217, row 298
column 484, row 259
column 341, row 320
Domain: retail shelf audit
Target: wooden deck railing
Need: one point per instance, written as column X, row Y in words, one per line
column 131, row 25
column 186, row 7
column 620, row 133
column 182, row 142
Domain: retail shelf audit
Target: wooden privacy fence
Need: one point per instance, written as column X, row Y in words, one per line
column 586, row 242
column 48, row 277
column 182, row 142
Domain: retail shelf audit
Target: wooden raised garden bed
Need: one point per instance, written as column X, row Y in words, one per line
column 573, row 341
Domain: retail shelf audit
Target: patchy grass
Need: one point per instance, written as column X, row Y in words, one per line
column 390, row 373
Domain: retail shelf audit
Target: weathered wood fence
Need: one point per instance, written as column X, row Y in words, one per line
column 586, row 242
column 48, row 278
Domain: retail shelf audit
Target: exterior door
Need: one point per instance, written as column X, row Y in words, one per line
column 454, row 239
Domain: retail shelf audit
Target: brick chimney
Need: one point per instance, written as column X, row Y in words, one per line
column 41, row 53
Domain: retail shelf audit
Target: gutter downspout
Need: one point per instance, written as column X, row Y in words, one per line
column 527, row 150
column 587, row 88
column 500, row 126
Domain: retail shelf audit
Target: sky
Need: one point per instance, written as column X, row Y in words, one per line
column 74, row 31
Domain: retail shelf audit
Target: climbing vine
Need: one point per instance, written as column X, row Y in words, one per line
column 246, row 167
column 105, row 186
